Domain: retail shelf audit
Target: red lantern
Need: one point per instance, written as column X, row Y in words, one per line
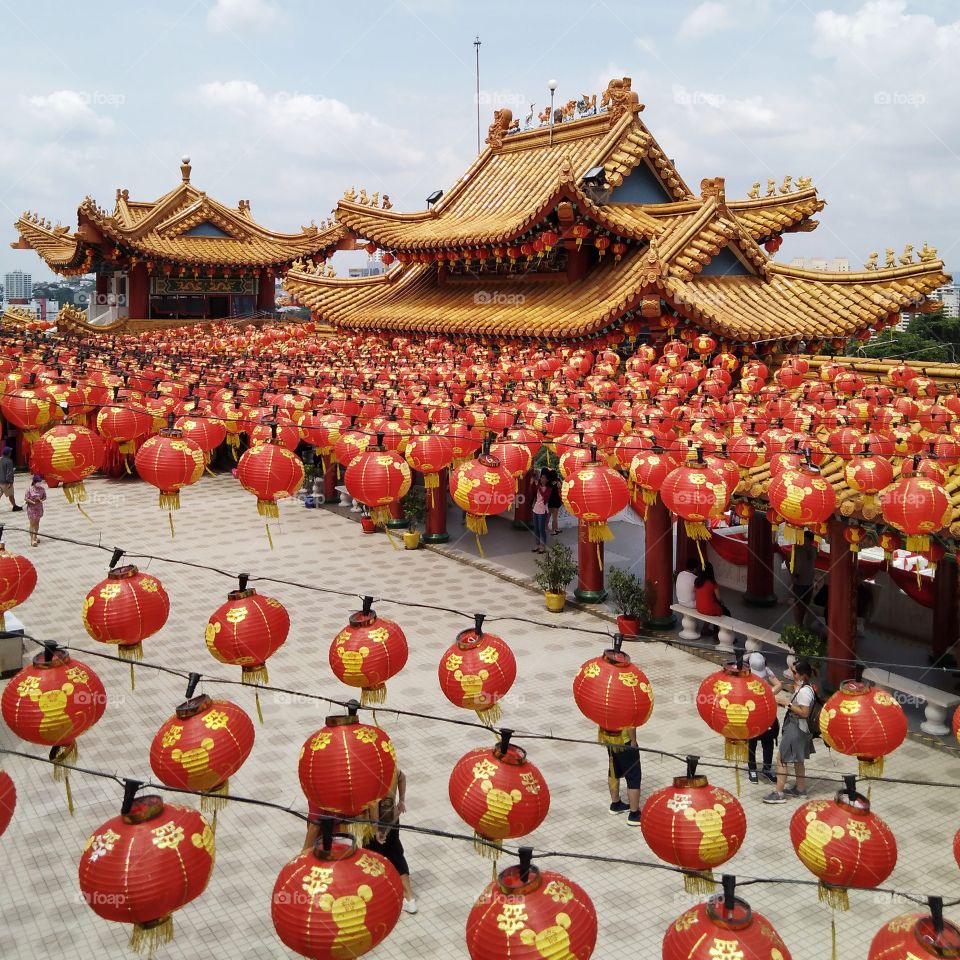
column 601, row 243
column 201, row 746
column 696, row 493
column 68, row 454
column 593, row 495
column 613, row 693
column 917, row 936
column 515, row 455
column 738, row 706
column 428, row 454
column 482, row 487
column 367, row 652
column 347, row 765
column 477, row 671
column 8, row 801
column 169, row 462
column 863, row 722
column 246, row 631
column 18, row 577
column 889, row 542
column 529, row 914
column 803, row 498
column 29, row 410
column 378, row 478
column 917, row 507
column 499, row 793
column 146, row 863
column 206, row 432
column 648, row 470
column 723, row 927
column 843, row 844
column 694, row 826
column 868, row 475
column 338, row 902
column 52, row 702
column 124, row 424
column 125, row 609
column 271, row 473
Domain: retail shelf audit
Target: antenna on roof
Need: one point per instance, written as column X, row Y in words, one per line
column 476, row 47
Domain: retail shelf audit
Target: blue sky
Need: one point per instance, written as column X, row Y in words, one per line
column 289, row 104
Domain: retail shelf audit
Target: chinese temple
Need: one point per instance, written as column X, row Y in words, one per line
column 182, row 258
column 583, row 227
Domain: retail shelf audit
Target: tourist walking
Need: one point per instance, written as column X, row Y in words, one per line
column 541, row 500
column 624, row 764
column 758, row 667
column 7, row 470
column 34, row 500
column 804, row 569
column 796, row 743
column 687, row 582
column 386, row 839
column 555, row 502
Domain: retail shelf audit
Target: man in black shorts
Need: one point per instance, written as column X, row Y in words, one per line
column 624, row 764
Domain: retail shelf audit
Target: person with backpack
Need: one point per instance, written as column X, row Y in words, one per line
column 800, row 725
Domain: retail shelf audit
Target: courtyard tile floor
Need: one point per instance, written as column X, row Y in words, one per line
column 45, row 917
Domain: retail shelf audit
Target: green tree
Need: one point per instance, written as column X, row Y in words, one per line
column 928, row 337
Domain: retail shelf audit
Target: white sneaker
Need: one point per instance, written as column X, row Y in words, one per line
column 410, row 906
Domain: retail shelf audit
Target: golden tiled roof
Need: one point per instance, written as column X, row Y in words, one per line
column 161, row 230
column 807, row 304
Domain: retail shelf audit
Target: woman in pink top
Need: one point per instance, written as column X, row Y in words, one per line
column 34, row 500
column 541, row 511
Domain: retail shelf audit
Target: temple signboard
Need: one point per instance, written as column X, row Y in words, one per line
column 193, row 285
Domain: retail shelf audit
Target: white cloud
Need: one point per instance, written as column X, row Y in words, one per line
column 232, row 94
column 70, row 111
column 707, row 18
column 227, row 15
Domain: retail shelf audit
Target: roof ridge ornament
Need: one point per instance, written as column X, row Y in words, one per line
column 185, row 168
column 714, row 188
column 566, row 170
column 619, row 99
column 503, row 123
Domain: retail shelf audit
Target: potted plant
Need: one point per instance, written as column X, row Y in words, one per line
column 366, row 521
column 555, row 569
column 805, row 644
column 630, row 599
column 415, row 513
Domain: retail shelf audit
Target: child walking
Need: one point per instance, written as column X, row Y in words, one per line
column 34, row 499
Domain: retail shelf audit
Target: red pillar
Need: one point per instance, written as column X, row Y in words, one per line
column 266, row 292
column 658, row 563
column 842, row 609
column 523, row 511
column 138, row 292
column 436, row 525
column 396, row 520
column 590, row 568
column 760, row 591
column 330, row 477
column 946, row 624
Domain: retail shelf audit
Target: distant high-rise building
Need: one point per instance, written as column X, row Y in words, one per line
column 825, row 264
column 949, row 296
column 18, row 287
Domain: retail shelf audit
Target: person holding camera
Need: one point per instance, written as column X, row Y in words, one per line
column 796, row 741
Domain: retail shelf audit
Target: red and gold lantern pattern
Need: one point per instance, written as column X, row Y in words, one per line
column 868, row 475
column 378, row 478
column 843, row 844
column 8, row 800
column 68, row 455
column 529, row 914
column 30, row 411
column 613, row 693
column 206, row 432
column 916, row 936
column 499, row 793
column 170, row 462
column 738, row 706
column 803, row 498
column 271, row 473
column 477, row 671
column 337, row 903
column 368, row 652
column 593, row 495
column 146, row 863
column 18, row 577
column 863, row 722
column 648, row 470
column 694, row 826
column 428, row 454
column 125, row 609
column 124, row 424
column 717, row 930
column 347, row 765
column 696, row 493
column 917, row 507
column 52, row 702
column 482, row 487
column 201, row 746
column 246, row 631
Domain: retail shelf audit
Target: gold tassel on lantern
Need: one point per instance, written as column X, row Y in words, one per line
column 170, row 501
column 75, row 492
column 361, row 832
column 486, row 848
column 431, row 480
column 489, row 715
column 380, row 516
column 835, row 897
column 68, row 753
column 127, row 448
column 211, row 804
column 735, row 750
column 918, row 542
column 870, row 768
column 370, row 696
column 699, row 881
column 268, row 508
column 256, row 675
column 599, row 532
column 146, row 937
column 477, row 523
